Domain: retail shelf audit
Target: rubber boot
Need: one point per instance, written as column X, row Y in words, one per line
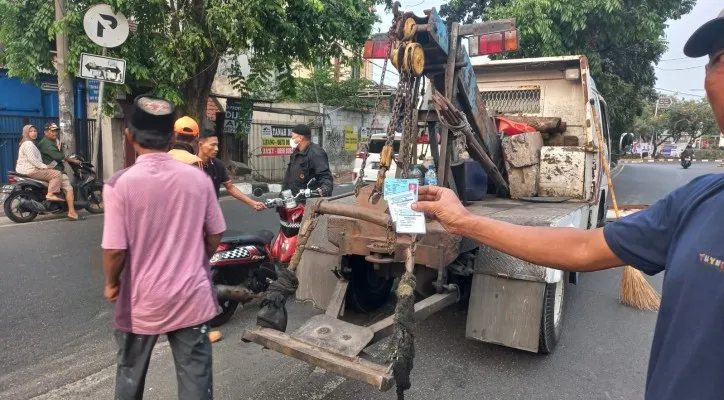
column 273, row 312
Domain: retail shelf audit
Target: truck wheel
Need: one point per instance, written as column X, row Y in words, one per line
column 367, row 291
column 554, row 308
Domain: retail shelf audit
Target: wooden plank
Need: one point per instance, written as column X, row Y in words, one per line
column 335, row 307
column 351, row 367
column 423, row 309
column 505, row 311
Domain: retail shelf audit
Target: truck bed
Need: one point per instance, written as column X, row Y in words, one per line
column 522, row 212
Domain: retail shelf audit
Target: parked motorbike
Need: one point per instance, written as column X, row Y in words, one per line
column 246, row 263
column 24, row 198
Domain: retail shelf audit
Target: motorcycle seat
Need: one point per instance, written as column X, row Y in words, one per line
column 18, row 174
column 260, row 237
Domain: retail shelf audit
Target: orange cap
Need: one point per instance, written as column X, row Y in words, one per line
column 186, row 126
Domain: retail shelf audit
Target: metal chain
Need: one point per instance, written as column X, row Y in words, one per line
column 366, row 145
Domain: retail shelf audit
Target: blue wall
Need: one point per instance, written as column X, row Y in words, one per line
column 28, row 99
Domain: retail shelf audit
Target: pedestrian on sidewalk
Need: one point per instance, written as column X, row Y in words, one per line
column 162, row 224
column 681, row 235
column 215, row 168
column 30, row 163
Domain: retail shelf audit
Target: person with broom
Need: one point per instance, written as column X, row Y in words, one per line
column 680, row 235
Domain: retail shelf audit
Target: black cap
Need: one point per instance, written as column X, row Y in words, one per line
column 706, row 38
column 153, row 114
column 303, row 130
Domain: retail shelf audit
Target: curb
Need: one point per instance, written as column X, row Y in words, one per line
column 664, row 161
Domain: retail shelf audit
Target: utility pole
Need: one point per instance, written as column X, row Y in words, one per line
column 65, row 87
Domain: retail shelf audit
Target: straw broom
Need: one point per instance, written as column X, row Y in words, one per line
column 635, row 290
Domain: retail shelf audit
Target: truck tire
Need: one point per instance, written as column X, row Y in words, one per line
column 367, row 292
column 554, row 308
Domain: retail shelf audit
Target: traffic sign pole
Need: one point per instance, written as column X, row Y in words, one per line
column 99, row 114
column 105, row 28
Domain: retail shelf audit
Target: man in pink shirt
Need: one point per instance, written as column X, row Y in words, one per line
column 162, row 223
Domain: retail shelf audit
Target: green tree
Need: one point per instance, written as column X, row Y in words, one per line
column 622, row 40
column 178, row 45
column 321, row 87
column 685, row 119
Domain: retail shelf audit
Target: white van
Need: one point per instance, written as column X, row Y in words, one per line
column 373, row 161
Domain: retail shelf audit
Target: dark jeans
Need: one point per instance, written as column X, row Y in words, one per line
column 191, row 350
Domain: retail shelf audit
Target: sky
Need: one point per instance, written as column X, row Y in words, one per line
column 676, row 74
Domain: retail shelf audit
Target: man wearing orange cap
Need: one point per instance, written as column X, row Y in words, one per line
column 187, row 135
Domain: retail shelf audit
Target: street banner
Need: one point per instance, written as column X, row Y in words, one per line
column 275, row 140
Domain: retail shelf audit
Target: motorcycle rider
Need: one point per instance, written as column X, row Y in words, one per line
column 49, row 147
column 215, row 168
column 309, row 160
column 688, row 153
column 187, row 135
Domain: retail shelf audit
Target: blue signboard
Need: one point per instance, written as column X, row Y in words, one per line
column 439, row 32
column 93, row 87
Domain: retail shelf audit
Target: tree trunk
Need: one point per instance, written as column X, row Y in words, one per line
column 542, row 124
column 196, row 91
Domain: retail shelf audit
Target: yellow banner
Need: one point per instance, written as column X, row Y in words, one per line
column 350, row 141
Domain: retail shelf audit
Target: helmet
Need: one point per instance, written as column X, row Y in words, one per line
column 186, row 126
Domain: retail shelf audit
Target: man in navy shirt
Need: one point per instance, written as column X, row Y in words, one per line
column 682, row 235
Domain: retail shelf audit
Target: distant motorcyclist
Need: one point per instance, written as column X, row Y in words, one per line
column 688, row 153
column 309, row 160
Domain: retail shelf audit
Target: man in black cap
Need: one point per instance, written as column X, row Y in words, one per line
column 162, row 223
column 309, row 160
column 680, row 235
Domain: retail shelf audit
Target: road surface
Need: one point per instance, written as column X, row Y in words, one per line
column 58, row 337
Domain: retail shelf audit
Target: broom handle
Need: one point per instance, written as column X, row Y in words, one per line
column 599, row 136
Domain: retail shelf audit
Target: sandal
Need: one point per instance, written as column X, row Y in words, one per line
column 54, row 199
column 78, row 218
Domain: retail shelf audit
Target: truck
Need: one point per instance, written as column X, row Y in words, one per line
column 551, row 175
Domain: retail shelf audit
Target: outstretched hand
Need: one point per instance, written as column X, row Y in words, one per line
column 443, row 205
column 259, row 206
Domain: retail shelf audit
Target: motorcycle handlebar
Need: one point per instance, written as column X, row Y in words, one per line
column 277, row 202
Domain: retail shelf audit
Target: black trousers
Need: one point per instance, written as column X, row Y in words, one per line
column 191, row 350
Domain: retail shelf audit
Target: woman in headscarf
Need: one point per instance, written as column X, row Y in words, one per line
column 31, row 164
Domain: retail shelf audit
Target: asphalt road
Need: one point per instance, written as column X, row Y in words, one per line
column 58, row 340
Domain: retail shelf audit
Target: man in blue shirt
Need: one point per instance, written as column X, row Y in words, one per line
column 682, row 235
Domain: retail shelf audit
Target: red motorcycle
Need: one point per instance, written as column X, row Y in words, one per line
column 246, row 263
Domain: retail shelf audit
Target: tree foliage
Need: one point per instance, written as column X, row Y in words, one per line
column 321, row 87
column 622, row 40
column 178, row 45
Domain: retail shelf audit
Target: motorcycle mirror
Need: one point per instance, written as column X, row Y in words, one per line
column 311, row 182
